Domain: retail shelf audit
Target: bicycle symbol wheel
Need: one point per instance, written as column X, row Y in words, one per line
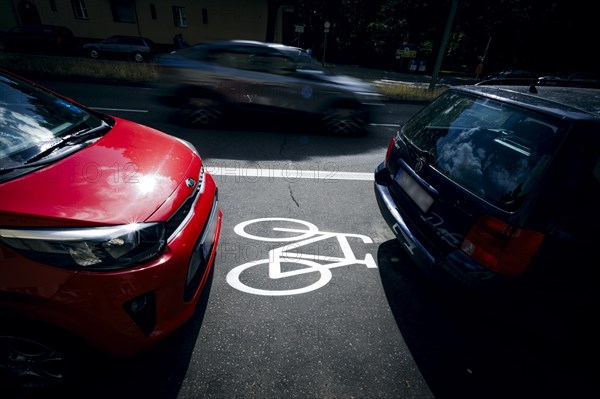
column 233, row 277
column 312, row 230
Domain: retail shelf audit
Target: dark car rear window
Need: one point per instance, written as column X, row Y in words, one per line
column 493, row 149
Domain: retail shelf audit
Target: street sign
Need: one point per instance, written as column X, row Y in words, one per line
column 406, row 53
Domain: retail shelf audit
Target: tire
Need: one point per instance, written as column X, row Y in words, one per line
column 344, row 121
column 94, row 53
column 35, row 363
column 138, row 57
column 201, row 113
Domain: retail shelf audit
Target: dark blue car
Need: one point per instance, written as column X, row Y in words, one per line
column 495, row 191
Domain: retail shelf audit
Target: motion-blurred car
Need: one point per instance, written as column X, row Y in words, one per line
column 512, row 74
column 38, row 38
column 575, row 79
column 208, row 80
column 511, row 77
column 108, row 233
column 134, row 48
column 495, row 190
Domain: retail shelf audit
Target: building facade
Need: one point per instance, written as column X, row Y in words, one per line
column 158, row 20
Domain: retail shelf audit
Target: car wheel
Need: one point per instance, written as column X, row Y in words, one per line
column 29, row 364
column 93, row 53
column 138, row 57
column 201, row 112
column 344, row 121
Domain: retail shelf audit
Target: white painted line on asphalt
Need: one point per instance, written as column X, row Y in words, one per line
column 252, row 174
column 120, row 109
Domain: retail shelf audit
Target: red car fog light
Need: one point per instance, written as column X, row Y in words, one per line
column 500, row 247
column 142, row 310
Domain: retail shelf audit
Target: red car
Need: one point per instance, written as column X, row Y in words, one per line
column 108, row 234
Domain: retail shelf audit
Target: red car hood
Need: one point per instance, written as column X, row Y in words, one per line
column 124, row 177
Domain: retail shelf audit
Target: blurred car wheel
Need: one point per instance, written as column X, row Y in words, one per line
column 201, row 113
column 345, row 121
column 138, row 57
column 32, row 363
column 93, row 53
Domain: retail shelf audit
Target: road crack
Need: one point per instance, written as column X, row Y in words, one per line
column 292, row 195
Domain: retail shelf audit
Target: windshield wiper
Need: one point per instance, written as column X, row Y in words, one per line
column 424, row 155
column 73, row 139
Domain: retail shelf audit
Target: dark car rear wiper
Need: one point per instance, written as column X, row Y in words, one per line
column 424, row 155
column 73, row 139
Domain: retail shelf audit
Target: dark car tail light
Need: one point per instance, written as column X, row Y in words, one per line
column 389, row 151
column 390, row 146
column 500, row 247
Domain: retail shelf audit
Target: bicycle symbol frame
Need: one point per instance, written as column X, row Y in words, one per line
column 282, row 254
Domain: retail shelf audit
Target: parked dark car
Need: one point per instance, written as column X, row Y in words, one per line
column 208, row 80
column 101, row 246
column 495, row 191
column 38, row 38
column 132, row 48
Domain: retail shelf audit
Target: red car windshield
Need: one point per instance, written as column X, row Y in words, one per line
column 32, row 120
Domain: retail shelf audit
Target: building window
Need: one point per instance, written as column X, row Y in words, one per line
column 204, row 16
column 53, row 5
column 123, row 10
column 79, row 9
column 179, row 16
column 153, row 11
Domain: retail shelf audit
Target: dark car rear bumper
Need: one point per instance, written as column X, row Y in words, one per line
column 452, row 270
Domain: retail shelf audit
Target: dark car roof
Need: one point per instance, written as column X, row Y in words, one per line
column 572, row 102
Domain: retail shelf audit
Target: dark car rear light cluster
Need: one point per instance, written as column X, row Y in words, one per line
column 389, row 149
column 500, row 247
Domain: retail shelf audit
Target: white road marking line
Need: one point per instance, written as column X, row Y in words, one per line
column 120, row 109
column 290, row 174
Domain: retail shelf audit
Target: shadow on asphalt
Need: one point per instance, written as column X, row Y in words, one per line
column 470, row 349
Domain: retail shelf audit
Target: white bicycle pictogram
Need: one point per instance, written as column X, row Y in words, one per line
column 301, row 237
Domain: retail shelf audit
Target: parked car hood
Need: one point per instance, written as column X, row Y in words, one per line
column 124, row 177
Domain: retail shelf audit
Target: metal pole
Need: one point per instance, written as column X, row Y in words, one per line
column 326, row 26
column 324, row 48
column 438, row 61
column 137, row 20
column 487, row 47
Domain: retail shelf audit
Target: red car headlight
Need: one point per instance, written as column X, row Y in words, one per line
column 94, row 248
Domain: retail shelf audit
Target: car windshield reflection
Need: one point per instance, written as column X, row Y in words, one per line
column 31, row 121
